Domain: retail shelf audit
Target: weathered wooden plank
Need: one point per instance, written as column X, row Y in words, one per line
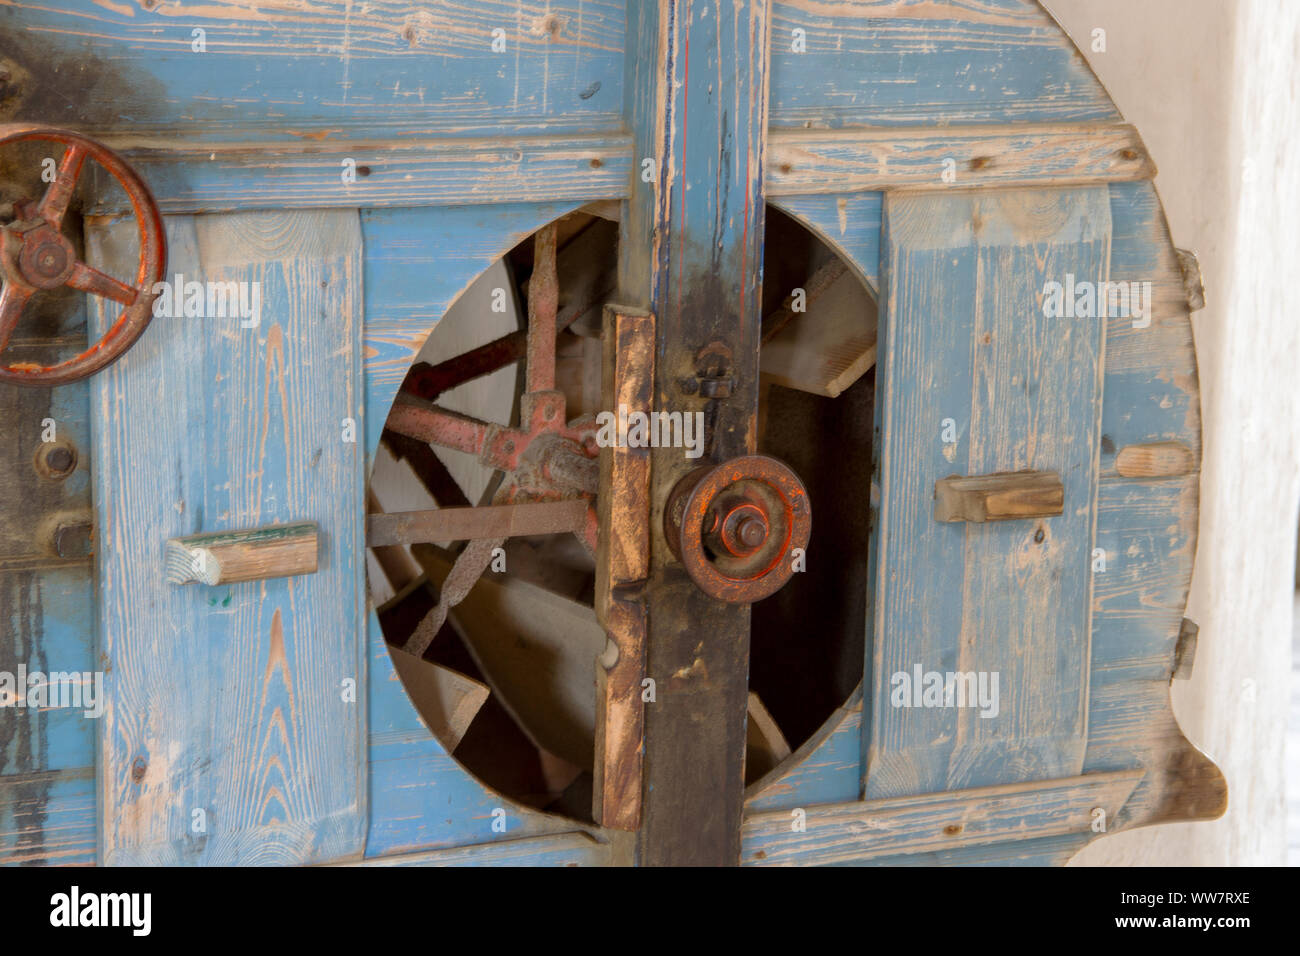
column 561, row 849
column 47, row 754
column 48, row 818
column 859, row 831
column 47, row 785
column 765, row 745
column 965, row 339
column 831, row 344
column 691, row 255
column 537, row 650
column 1152, row 392
column 622, row 567
column 340, row 68
column 1146, row 537
column 1146, row 529
column 893, row 63
column 254, row 754
column 387, row 67
column 804, row 162
column 200, row 176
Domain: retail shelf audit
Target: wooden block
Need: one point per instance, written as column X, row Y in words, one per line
column 622, row 561
column 223, row 557
column 1185, row 653
column 830, row 346
column 1024, row 494
column 1163, row 459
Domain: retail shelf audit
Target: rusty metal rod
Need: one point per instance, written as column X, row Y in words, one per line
column 543, row 302
column 429, row 381
column 489, row 521
column 437, row 426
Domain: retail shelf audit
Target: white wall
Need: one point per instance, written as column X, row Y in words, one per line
column 1214, row 88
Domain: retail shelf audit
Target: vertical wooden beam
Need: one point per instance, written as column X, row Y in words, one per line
column 691, row 254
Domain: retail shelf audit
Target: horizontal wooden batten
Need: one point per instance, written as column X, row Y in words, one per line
column 197, row 177
column 820, row 161
column 559, row 849
column 862, row 831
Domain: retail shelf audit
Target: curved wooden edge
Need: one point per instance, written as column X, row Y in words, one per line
column 819, row 771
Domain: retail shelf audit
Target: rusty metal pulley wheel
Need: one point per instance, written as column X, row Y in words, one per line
column 35, row 255
column 736, row 526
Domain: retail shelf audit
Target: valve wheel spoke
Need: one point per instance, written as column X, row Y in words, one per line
column 55, row 202
column 89, row 279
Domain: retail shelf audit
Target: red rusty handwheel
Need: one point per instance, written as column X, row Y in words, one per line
column 736, row 526
column 35, row 255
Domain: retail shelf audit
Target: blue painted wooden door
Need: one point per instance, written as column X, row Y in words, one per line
column 978, row 378
column 236, row 724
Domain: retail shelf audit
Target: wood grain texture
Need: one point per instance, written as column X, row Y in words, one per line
column 849, row 223
column 965, row 338
column 235, row 704
column 1146, row 533
column 1146, row 530
column 561, row 849
column 858, row 832
column 388, row 67
column 622, row 567
column 892, row 63
column 1166, row 459
column 691, row 254
column 828, row 347
column 1009, row 497
column 200, row 176
column 226, row 557
column 806, row 162
column 47, row 754
column 1152, row 391
column 402, row 70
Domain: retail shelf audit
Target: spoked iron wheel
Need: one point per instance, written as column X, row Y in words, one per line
column 502, row 614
